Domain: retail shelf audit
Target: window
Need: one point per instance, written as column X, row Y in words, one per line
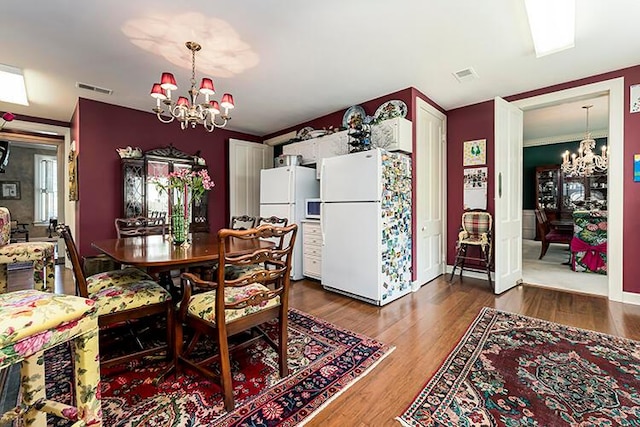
column 45, row 188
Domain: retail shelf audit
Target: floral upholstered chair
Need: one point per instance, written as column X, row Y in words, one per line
column 32, row 322
column 122, row 295
column 39, row 253
column 231, row 306
column 474, row 232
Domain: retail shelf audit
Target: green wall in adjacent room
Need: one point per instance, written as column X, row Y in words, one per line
column 543, row 155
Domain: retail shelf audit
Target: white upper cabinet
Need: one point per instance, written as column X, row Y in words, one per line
column 335, row 144
column 393, row 135
column 306, row 149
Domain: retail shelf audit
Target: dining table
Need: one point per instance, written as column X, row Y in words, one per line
column 157, row 254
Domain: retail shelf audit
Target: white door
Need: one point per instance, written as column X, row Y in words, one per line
column 430, row 192
column 507, row 221
column 277, row 185
column 246, row 160
column 350, row 178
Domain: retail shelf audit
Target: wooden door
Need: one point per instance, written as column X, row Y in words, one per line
column 246, row 160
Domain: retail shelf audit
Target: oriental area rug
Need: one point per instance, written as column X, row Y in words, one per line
column 324, row 360
column 512, row 370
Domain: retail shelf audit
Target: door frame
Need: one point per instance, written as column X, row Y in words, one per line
column 615, row 141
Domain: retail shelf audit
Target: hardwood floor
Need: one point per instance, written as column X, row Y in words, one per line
column 424, row 327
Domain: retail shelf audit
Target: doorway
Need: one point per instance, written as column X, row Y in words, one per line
column 549, row 132
column 615, row 90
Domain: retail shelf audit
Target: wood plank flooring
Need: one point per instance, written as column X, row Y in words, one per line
column 424, row 327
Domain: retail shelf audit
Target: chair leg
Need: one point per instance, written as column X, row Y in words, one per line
column 456, row 263
column 282, row 345
column 486, row 253
column 225, row 371
column 543, row 249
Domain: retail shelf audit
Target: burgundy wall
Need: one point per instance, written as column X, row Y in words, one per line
column 101, row 128
column 335, row 119
column 462, row 119
column 466, row 124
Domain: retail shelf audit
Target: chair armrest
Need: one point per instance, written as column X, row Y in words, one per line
column 189, row 280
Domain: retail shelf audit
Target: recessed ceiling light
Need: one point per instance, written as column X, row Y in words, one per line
column 12, row 88
column 552, row 24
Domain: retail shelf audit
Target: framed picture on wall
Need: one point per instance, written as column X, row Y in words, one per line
column 474, row 152
column 10, row 190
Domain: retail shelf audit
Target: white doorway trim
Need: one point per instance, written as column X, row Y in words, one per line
column 615, row 89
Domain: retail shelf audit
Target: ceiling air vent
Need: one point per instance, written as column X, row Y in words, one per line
column 466, row 75
column 94, row 88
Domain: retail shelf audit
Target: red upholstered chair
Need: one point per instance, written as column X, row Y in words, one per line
column 550, row 234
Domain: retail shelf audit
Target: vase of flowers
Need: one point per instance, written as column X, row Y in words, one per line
column 184, row 186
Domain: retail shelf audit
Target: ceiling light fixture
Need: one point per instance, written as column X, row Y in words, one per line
column 186, row 110
column 585, row 163
column 552, row 24
column 12, row 87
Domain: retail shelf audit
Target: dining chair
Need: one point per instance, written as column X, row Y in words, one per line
column 140, row 226
column 242, row 222
column 121, row 296
column 550, row 234
column 475, row 232
column 273, row 220
column 231, row 306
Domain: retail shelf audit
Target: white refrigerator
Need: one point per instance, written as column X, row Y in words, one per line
column 282, row 193
column 366, row 225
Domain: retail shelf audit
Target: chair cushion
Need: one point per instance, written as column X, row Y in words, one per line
column 203, row 305
column 26, row 313
column 5, row 226
column 126, row 296
column 106, row 279
column 25, row 252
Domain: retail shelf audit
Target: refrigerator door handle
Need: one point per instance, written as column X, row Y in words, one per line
column 322, row 222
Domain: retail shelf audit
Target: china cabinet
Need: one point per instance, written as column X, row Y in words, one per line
column 559, row 195
column 140, row 195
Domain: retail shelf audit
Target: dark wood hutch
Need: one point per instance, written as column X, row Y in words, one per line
column 140, row 195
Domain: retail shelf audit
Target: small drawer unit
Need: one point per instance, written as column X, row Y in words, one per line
column 312, row 249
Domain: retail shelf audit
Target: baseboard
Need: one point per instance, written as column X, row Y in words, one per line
column 470, row 273
column 630, row 298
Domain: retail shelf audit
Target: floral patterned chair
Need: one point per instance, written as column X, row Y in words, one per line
column 231, row 306
column 32, row 322
column 589, row 243
column 122, row 295
column 40, row 253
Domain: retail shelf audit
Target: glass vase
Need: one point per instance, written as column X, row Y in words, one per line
column 180, row 221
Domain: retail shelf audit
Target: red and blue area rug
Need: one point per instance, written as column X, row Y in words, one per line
column 324, row 359
column 512, row 370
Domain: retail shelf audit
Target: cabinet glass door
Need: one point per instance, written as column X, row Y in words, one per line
column 157, row 201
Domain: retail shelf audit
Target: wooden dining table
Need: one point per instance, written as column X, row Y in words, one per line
column 157, row 253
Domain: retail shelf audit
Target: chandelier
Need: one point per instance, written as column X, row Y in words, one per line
column 187, row 110
column 586, row 162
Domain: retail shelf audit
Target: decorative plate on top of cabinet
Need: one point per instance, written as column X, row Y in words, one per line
column 353, row 116
column 391, row 109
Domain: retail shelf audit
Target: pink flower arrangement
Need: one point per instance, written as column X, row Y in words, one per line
column 183, row 180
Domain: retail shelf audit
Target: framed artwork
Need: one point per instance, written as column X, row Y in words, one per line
column 474, row 152
column 634, row 99
column 10, row 190
column 636, row 167
column 73, row 173
column 475, row 188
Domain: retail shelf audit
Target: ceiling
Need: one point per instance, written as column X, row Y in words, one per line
column 288, row 62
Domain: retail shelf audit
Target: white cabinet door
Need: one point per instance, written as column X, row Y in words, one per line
column 393, row 135
column 306, row 149
column 336, row 144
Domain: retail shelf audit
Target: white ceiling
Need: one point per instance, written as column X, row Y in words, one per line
column 286, row 62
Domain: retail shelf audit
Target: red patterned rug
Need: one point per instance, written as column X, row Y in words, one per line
column 512, row 370
column 324, row 360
